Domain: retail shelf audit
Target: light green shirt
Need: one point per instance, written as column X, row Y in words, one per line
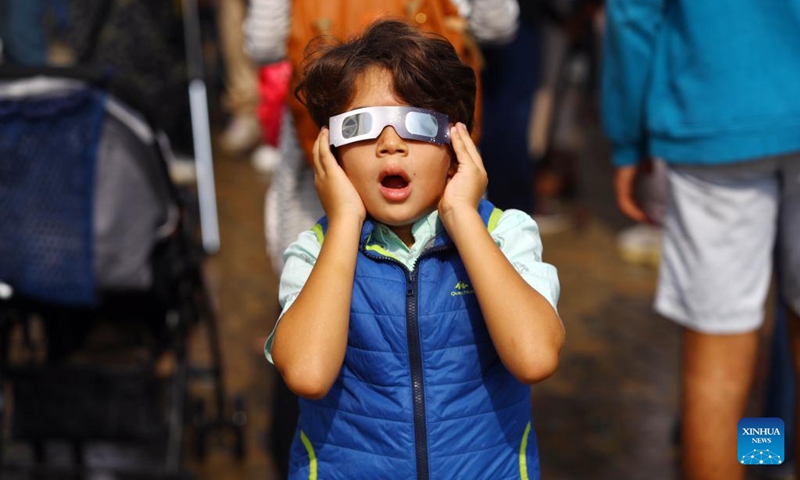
column 516, row 234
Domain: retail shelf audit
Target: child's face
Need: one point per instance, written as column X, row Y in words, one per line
column 398, row 180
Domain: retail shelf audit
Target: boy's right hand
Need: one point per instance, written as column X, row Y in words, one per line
column 337, row 194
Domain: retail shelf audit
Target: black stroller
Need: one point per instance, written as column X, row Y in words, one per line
column 100, row 288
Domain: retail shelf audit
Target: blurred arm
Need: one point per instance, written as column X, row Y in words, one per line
column 631, row 28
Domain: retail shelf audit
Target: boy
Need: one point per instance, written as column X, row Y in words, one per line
column 415, row 314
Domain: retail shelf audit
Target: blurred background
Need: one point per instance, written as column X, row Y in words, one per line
column 184, row 68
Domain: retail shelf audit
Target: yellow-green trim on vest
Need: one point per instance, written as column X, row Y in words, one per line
column 312, row 457
column 380, row 250
column 523, row 458
column 317, row 230
column 494, row 219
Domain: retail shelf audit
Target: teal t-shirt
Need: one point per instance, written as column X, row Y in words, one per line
column 701, row 82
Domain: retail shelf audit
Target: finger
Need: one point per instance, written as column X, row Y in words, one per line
column 626, row 196
column 457, row 142
column 327, row 159
column 470, row 146
column 631, row 209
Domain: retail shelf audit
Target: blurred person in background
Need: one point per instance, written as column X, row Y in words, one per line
column 242, row 133
column 31, row 31
column 291, row 203
column 141, row 45
column 564, row 108
column 23, row 38
column 711, row 88
column 509, row 78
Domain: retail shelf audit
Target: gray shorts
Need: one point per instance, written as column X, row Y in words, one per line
column 720, row 226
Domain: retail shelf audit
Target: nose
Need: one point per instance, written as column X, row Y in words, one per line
column 389, row 143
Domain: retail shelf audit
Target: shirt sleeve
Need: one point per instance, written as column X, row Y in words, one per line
column 299, row 260
column 631, row 29
column 517, row 235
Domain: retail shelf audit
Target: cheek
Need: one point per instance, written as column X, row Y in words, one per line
column 439, row 165
column 429, row 173
column 352, row 163
column 359, row 174
column 346, row 158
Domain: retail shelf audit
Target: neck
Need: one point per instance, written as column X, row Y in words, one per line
column 403, row 232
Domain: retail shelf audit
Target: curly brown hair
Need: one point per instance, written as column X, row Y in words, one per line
column 425, row 68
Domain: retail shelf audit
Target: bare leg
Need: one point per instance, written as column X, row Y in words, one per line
column 717, row 375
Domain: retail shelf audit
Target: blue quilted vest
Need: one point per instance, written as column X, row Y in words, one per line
column 422, row 392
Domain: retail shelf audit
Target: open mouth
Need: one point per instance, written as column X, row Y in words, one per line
column 394, row 182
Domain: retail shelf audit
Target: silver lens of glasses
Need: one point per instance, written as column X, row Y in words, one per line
column 355, row 125
column 420, row 123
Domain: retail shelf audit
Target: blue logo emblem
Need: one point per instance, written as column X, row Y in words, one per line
column 761, row 441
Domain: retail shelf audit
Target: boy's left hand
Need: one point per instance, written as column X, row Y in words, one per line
column 467, row 185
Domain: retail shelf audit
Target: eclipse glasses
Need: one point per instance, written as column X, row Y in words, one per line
column 410, row 123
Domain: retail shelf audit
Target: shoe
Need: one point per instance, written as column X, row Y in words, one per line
column 182, row 170
column 265, row 159
column 641, row 245
column 242, row 135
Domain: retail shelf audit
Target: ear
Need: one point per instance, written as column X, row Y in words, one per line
column 453, row 162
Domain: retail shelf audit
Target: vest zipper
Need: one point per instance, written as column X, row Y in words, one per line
column 417, row 380
column 415, row 357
